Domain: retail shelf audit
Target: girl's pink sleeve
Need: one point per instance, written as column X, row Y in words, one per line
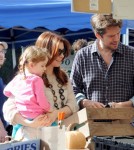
column 40, row 94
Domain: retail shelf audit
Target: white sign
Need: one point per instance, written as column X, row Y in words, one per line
column 123, row 9
column 94, row 5
column 26, row 145
column 67, row 63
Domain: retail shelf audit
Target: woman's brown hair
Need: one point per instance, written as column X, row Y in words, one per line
column 51, row 41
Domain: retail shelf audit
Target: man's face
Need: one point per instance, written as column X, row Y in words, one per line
column 111, row 38
column 2, row 55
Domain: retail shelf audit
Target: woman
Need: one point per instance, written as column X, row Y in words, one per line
column 58, row 87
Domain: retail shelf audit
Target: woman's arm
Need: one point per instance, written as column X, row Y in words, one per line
column 12, row 116
column 40, row 121
column 71, row 100
column 54, row 115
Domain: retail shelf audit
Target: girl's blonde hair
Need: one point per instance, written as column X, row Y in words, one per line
column 32, row 54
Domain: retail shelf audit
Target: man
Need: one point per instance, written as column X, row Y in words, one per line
column 3, row 132
column 78, row 44
column 103, row 72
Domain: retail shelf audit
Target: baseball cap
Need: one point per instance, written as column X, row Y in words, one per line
column 4, row 44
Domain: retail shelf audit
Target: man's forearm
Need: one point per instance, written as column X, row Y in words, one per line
column 127, row 104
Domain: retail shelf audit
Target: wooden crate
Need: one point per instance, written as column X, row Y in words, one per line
column 103, row 121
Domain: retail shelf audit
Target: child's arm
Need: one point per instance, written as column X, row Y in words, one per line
column 12, row 116
column 40, row 95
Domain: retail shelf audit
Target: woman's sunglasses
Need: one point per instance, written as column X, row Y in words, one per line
column 61, row 51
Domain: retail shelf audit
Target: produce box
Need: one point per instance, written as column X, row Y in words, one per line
column 102, row 122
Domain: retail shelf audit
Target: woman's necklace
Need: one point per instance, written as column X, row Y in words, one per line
column 61, row 91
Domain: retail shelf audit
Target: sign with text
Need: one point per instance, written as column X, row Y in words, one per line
column 123, row 9
column 67, row 63
column 26, row 145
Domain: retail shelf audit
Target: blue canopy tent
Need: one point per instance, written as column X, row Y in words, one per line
column 35, row 17
column 51, row 14
column 21, row 21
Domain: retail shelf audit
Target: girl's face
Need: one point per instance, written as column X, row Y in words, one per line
column 38, row 68
column 58, row 60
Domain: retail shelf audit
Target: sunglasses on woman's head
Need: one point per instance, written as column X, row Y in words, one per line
column 62, row 51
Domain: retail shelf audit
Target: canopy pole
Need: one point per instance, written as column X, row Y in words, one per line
column 126, row 37
column 13, row 49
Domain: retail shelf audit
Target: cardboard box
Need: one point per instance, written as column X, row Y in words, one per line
column 92, row 6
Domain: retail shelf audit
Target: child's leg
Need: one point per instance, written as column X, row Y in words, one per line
column 15, row 129
column 54, row 124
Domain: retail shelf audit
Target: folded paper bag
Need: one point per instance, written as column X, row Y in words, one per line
column 52, row 138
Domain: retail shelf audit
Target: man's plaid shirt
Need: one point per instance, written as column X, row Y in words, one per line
column 92, row 79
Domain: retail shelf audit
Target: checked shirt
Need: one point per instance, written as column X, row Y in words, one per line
column 93, row 80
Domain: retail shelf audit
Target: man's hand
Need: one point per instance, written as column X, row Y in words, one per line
column 3, row 134
column 91, row 104
column 121, row 104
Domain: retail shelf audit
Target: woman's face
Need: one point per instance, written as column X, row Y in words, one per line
column 58, row 60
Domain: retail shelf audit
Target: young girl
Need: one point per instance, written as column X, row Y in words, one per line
column 27, row 87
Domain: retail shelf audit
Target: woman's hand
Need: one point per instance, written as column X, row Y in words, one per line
column 40, row 121
column 52, row 116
